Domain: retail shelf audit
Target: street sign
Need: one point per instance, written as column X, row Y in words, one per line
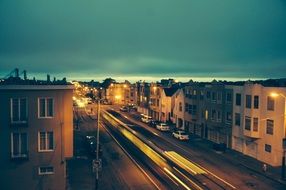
column 96, row 164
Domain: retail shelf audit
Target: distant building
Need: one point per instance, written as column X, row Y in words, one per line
column 121, row 93
column 36, row 133
column 143, row 97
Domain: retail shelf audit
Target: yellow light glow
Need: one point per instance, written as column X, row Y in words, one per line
column 117, row 97
column 154, row 87
column 124, row 85
column 274, row 94
column 184, row 163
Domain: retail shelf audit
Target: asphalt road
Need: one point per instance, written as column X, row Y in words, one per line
column 118, row 170
column 225, row 172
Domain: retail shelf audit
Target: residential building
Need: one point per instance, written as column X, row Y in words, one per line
column 143, row 97
column 218, row 113
column 36, row 133
column 167, row 104
column 121, row 93
column 156, row 91
column 259, row 122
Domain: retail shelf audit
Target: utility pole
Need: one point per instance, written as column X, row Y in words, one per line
column 97, row 146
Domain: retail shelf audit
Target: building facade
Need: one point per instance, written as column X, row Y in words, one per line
column 259, row 122
column 121, row 93
column 36, row 135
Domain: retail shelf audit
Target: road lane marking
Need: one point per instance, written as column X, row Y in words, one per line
column 177, row 179
column 197, row 187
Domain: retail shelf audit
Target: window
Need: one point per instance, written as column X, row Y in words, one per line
column 238, row 99
column 256, row 102
column 247, row 123
column 218, row 116
column 228, row 98
column 180, row 106
column 46, row 141
column 202, row 95
column 186, row 107
column 219, row 96
column 269, row 126
column 206, row 114
column 255, row 124
column 46, row 107
column 248, row 101
column 213, row 114
column 267, row 148
column 46, row 170
column 228, row 117
column 270, row 103
column 214, row 96
column 237, row 119
column 19, row 145
column 18, row 110
column 208, row 94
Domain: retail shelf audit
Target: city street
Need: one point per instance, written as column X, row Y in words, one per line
column 118, row 171
column 240, row 177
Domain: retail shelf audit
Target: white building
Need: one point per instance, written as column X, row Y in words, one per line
column 259, row 122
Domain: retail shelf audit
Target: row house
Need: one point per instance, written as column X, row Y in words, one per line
column 259, row 122
column 36, row 133
column 155, row 106
column 121, row 93
column 205, row 110
column 143, row 97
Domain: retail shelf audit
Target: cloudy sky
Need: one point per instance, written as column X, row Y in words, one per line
column 85, row 39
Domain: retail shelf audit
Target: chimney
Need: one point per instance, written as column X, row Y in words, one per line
column 25, row 74
column 17, row 72
column 48, row 78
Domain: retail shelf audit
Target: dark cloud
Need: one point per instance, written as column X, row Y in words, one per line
column 145, row 38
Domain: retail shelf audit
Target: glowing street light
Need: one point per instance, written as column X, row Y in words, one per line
column 275, row 95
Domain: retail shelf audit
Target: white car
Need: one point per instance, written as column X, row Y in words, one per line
column 163, row 127
column 181, row 135
column 145, row 118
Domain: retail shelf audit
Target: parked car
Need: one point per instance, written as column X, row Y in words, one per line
column 124, row 109
column 181, row 135
column 91, row 145
column 145, row 118
column 153, row 123
column 163, row 127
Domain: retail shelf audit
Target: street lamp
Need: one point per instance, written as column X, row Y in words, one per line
column 274, row 95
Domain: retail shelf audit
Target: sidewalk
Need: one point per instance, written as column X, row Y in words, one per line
column 234, row 157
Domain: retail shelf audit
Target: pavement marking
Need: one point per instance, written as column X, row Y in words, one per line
column 193, row 183
column 176, row 178
column 133, row 160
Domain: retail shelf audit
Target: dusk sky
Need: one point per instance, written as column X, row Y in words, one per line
column 132, row 39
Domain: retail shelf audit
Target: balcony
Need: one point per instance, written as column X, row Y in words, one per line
column 19, row 124
column 251, row 133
